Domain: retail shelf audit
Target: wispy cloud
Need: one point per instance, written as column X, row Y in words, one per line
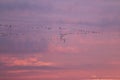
column 95, row 13
column 32, row 61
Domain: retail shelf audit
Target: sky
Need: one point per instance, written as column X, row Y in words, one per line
column 59, row 39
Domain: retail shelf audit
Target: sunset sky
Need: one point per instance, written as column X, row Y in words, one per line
column 59, row 39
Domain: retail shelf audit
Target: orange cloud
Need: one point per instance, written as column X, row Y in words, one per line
column 29, row 61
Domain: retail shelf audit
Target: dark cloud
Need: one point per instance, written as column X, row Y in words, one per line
column 26, row 46
column 24, row 5
column 10, row 68
column 23, row 39
column 105, row 14
column 93, row 67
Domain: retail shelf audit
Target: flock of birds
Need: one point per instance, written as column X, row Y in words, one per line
column 7, row 30
column 79, row 31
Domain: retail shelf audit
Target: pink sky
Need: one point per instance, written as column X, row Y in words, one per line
column 59, row 40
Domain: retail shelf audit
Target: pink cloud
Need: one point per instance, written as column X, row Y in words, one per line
column 27, row 61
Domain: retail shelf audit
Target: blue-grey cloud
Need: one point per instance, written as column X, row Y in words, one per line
column 24, row 5
column 12, row 68
column 102, row 13
column 26, row 46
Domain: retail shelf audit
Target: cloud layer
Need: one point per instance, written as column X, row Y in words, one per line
column 59, row 39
